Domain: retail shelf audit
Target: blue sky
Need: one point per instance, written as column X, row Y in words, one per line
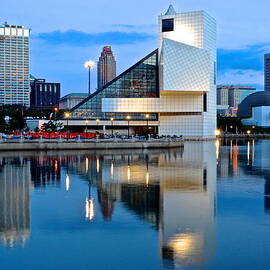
column 67, row 33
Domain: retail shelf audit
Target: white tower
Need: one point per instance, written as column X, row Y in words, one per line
column 187, row 45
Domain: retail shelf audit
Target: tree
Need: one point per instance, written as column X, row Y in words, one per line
column 52, row 126
column 3, row 124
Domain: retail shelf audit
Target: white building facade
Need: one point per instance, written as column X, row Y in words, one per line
column 187, row 63
column 14, row 65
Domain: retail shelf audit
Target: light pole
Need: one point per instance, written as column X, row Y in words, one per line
column 112, row 125
column 86, row 123
column 55, row 109
column 147, row 119
column 89, row 65
column 67, row 115
column 128, row 119
column 97, row 121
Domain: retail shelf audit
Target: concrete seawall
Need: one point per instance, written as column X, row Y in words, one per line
column 73, row 145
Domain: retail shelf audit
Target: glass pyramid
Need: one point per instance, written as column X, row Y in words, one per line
column 139, row 81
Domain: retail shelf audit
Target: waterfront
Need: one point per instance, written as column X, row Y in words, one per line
column 204, row 206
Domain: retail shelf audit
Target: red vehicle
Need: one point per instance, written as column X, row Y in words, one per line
column 55, row 135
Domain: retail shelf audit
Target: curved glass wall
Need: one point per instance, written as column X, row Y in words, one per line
column 139, row 81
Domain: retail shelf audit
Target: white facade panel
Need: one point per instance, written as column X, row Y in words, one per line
column 184, row 68
column 171, row 103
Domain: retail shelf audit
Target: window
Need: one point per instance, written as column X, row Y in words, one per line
column 205, row 102
column 167, row 25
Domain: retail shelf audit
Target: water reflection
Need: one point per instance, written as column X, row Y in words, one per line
column 172, row 191
column 167, row 196
column 254, row 161
column 15, row 184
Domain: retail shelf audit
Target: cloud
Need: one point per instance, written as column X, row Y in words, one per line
column 242, row 77
column 134, row 27
column 82, row 39
column 249, row 58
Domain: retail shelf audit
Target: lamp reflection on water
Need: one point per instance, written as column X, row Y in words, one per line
column 187, row 247
column 67, row 182
column 89, row 204
column 248, row 152
column 253, row 151
column 97, row 165
column 128, row 173
column 217, row 148
column 86, row 165
column 147, row 178
column 89, row 209
column 112, row 168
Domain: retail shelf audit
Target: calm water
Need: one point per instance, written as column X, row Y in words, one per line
column 204, row 207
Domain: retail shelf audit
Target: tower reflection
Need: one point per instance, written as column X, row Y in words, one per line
column 173, row 191
column 15, row 183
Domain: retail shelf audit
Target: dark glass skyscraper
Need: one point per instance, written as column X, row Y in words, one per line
column 106, row 67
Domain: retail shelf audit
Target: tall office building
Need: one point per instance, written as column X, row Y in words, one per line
column 14, row 65
column 233, row 95
column 106, row 67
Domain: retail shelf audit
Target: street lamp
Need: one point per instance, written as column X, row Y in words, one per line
column 86, row 123
column 112, row 125
column 67, row 116
column 55, row 109
column 217, row 132
column 128, row 119
column 147, row 119
column 89, row 65
column 97, row 121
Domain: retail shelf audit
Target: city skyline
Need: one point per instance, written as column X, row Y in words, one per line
column 240, row 58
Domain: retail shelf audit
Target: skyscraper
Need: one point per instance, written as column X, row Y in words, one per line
column 106, row 67
column 267, row 72
column 233, row 95
column 14, row 65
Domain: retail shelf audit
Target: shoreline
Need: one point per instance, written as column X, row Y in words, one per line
column 88, row 145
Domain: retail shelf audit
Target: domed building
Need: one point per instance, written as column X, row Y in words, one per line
column 255, row 109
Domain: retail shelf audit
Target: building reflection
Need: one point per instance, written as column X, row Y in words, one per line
column 188, row 208
column 253, row 161
column 173, row 191
column 45, row 171
column 15, row 183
